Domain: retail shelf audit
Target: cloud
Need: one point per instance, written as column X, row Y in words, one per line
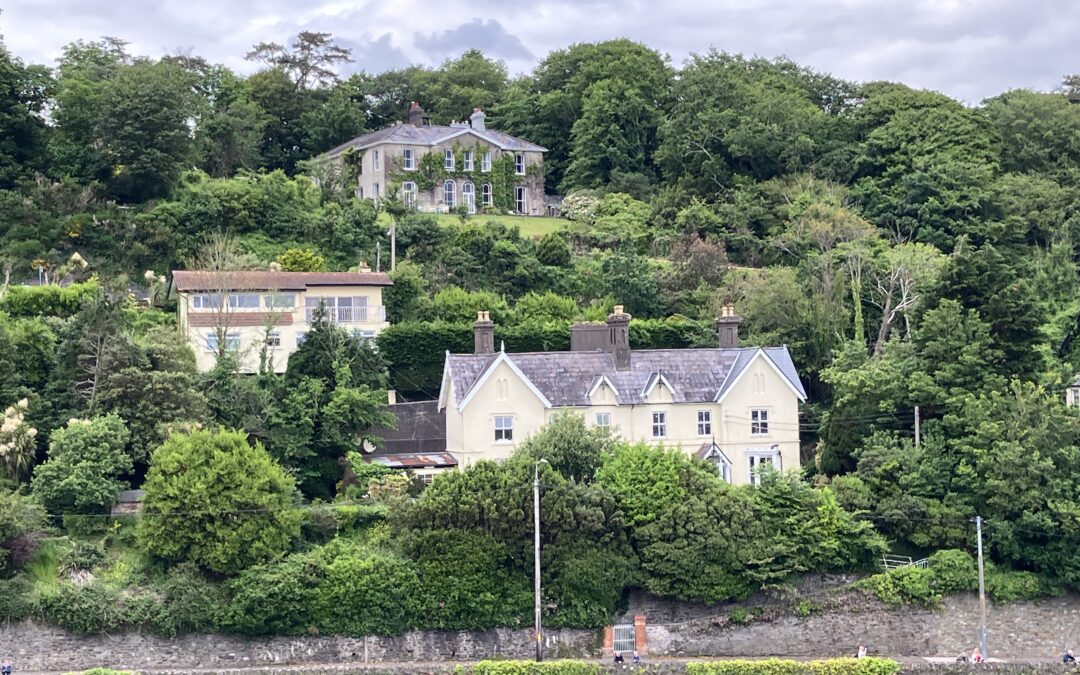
column 967, row 49
column 486, row 35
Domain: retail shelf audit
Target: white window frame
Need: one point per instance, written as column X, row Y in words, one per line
column 359, row 193
column 519, row 163
column 759, row 421
column 251, row 301
column 468, row 196
column 273, row 339
column 448, row 160
column 278, row 301
column 485, row 162
column 754, row 461
column 487, row 195
column 376, row 162
column 504, row 428
column 408, row 190
column 408, row 159
column 659, row 424
column 375, row 192
column 206, row 301
column 521, row 199
column 452, row 202
column 704, row 423
column 232, row 341
column 467, row 160
column 603, row 420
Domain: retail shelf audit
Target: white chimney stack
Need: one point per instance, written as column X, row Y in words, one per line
column 477, row 119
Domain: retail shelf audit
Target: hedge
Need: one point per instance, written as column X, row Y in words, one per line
column 849, row 666
column 534, row 668
column 31, row 301
column 416, row 350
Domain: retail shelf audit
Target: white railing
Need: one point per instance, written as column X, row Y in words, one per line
column 892, row 562
column 364, row 314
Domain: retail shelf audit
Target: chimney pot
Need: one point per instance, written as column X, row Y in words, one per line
column 477, row 119
column 483, row 334
column 416, row 114
column 727, row 327
column 619, row 337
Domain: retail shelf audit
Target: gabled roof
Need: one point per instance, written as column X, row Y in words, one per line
column 273, row 281
column 599, row 381
column 407, row 134
column 566, row 379
column 493, row 364
column 711, row 449
column 655, row 379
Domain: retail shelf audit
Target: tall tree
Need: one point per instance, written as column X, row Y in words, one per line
column 310, row 58
column 24, row 91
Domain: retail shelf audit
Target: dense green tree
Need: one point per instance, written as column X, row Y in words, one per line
column 24, row 91
column 461, row 84
column 218, row 501
column 86, row 459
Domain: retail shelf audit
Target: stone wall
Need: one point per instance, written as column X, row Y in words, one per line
column 1041, row 630
column 1024, row 631
column 39, row 648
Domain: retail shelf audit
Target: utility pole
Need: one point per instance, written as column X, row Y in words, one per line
column 918, row 435
column 982, row 593
column 378, row 256
column 393, row 246
column 536, row 557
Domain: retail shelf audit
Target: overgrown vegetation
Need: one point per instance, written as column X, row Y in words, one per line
column 911, row 251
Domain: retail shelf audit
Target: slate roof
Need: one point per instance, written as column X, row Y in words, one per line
column 565, row 378
column 420, row 429
column 273, row 281
column 407, row 134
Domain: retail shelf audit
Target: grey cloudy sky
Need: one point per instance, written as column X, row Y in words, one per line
column 969, row 49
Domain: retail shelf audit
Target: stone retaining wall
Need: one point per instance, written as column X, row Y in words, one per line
column 1020, row 631
column 40, row 648
column 1037, row 631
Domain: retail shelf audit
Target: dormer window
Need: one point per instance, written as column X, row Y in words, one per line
column 448, row 160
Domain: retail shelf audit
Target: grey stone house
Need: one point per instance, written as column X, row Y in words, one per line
column 440, row 168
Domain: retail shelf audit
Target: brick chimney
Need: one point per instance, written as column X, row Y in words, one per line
column 619, row 337
column 727, row 327
column 483, row 334
column 416, row 114
column 477, row 119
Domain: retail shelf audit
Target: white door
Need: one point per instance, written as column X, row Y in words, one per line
column 468, row 193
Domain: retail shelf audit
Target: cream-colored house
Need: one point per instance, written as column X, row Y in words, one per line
column 737, row 408
column 267, row 315
column 442, row 168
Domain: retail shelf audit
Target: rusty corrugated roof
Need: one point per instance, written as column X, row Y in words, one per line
column 256, row 280
column 428, row 460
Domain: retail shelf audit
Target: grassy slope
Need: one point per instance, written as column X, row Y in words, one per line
column 530, row 226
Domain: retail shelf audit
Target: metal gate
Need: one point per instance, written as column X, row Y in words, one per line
column 624, row 638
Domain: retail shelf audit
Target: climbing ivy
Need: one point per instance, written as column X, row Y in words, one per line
column 431, row 172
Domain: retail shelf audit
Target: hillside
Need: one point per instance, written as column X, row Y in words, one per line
column 917, row 256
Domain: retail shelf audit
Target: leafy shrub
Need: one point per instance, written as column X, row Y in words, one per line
column 191, row 603
column 28, row 301
column 1013, row 585
column 532, row 668
column 85, row 460
column 739, row 616
column 275, row 598
column 217, row 501
column 22, row 525
column 83, row 555
column 366, row 592
column 93, row 608
column 911, row 585
column 954, row 571
column 865, row 666
column 15, row 599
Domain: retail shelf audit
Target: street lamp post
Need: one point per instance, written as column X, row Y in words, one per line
column 536, row 556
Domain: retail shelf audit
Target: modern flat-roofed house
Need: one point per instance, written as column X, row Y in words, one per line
column 440, row 168
column 736, row 407
column 252, row 313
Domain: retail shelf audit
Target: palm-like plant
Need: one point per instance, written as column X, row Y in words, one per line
column 17, row 442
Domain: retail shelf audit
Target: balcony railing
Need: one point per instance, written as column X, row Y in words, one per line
column 371, row 314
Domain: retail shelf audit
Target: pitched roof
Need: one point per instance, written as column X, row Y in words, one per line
column 273, row 281
column 407, row 134
column 566, row 378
